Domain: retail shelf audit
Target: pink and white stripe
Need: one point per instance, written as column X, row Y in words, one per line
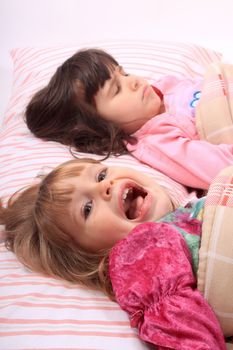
column 37, row 312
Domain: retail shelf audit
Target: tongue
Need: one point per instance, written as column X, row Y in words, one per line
column 135, row 207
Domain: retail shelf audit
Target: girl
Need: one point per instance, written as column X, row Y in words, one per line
column 91, row 103
column 84, row 222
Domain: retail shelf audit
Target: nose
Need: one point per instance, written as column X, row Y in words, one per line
column 133, row 82
column 105, row 189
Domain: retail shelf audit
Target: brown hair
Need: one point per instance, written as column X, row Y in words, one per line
column 34, row 232
column 65, row 111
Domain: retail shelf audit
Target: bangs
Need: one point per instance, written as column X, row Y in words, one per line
column 60, row 193
column 71, row 168
column 96, row 75
column 93, row 68
column 69, row 171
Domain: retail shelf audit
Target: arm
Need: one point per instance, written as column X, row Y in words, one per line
column 153, row 281
column 172, row 151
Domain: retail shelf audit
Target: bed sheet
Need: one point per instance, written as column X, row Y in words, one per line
column 38, row 312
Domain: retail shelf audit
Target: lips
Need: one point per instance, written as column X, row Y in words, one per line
column 133, row 201
column 146, row 91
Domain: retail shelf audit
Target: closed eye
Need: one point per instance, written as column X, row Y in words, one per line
column 117, row 84
column 118, row 89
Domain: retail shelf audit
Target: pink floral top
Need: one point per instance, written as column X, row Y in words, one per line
column 153, row 279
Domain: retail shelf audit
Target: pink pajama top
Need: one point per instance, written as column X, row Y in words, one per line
column 169, row 142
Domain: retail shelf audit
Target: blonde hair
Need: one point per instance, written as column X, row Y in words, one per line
column 34, row 232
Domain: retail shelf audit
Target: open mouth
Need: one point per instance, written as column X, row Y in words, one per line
column 133, row 199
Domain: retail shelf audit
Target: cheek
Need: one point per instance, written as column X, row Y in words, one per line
column 100, row 105
column 109, row 112
column 123, row 106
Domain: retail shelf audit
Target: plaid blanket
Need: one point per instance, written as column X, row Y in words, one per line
column 214, row 112
column 215, row 270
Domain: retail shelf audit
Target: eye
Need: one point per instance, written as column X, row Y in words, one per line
column 118, row 89
column 87, row 209
column 101, row 175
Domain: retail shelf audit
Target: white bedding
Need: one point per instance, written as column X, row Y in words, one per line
column 38, row 312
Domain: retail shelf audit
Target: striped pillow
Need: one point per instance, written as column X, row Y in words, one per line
column 44, row 313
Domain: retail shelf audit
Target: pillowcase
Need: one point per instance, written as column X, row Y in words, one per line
column 45, row 313
column 34, row 66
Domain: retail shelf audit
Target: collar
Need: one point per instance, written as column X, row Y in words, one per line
column 158, row 92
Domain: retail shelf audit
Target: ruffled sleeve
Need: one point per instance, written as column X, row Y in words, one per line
column 153, row 281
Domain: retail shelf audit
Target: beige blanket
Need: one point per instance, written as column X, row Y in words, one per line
column 215, row 272
column 214, row 112
column 214, row 121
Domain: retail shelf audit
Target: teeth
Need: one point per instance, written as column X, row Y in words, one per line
column 125, row 193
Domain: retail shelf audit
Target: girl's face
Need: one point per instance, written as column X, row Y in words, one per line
column 109, row 202
column 127, row 100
